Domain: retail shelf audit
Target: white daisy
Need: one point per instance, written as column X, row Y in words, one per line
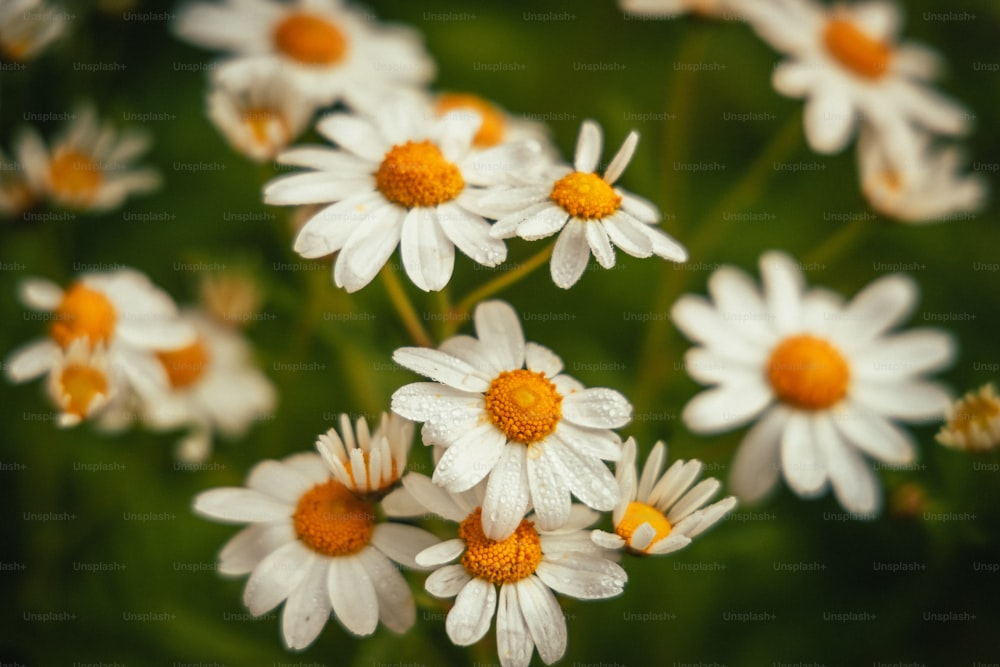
column 317, row 547
column 661, row 513
column 932, row 188
column 708, row 8
column 213, row 385
column 402, row 177
column 848, row 64
column 89, row 166
column 328, row 51
column 81, row 382
column 27, row 27
column 497, row 125
column 504, row 410
column 20, row 189
column 257, row 110
column 591, row 214
column 527, row 566
column 365, row 462
column 825, row 380
column 973, row 422
column 121, row 310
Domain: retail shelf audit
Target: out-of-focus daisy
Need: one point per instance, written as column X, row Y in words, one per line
column 89, row 167
column 662, row 512
column 848, row 64
column 120, row 310
column 825, row 380
column 708, row 8
column 27, row 27
column 213, row 386
column 81, row 382
column 503, row 409
column 20, row 189
column 231, row 297
column 590, row 214
column 932, row 188
column 258, row 110
column 497, row 126
column 973, row 422
column 402, row 177
column 317, row 547
column 366, row 462
column 527, row 566
column 328, row 51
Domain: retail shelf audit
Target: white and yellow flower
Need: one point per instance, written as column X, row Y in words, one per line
column 506, row 412
column 81, row 382
column 366, row 462
column 589, row 213
column 400, row 178
column 512, row 578
column 824, row 381
column 27, row 27
column 328, row 51
column 661, row 512
column 973, row 422
column 317, row 547
column 931, row 188
column 213, row 386
column 497, row 125
column 847, row 62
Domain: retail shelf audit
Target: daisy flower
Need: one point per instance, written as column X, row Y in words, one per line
column 662, row 512
column 497, row 125
column 932, row 188
column 825, row 380
column 20, row 190
column 665, row 8
column 590, row 214
column 848, row 63
column 27, row 27
column 90, row 166
column 213, row 385
column 973, row 422
column 326, row 50
column 513, row 578
column 366, row 462
column 258, row 111
column 504, row 410
column 120, row 311
column 81, row 382
column 317, row 547
column 402, row 177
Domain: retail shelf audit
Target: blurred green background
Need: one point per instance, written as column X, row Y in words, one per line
column 128, row 544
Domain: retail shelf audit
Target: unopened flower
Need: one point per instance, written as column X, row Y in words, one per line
column 973, row 422
column 367, row 462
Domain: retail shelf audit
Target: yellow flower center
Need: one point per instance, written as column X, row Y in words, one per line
column 310, row 39
column 267, row 126
column 416, row 174
column 74, row 176
column 637, row 514
column 184, row 366
column 524, row 405
column 808, row 372
column 492, row 129
column 855, row 50
column 330, row 520
column 585, row 195
column 499, row 561
column 80, row 385
column 83, row 313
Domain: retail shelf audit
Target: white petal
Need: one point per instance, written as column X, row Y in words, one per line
column 598, row 442
column 31, row 360
column 544, row 618
column 470, row 458
column 909, row 400
column 250, row 546
column 355, row 134
column 726, row 407
column 402, row 542
column 587, row 476
column 639, row 208
column 274, row 579
column 874, row 434
column 441, row 367
column 783, row 288
column 448, row 412
column 315, row 187
column 794, row 79
column 757, row 462
column 801, row 462
column 679, row 477
column 830, row 120
column 607, row 540
column 239, row 505
column 39, row 294
column 433, row 498
column 514, row 644
column 499, row 330
column 570, row 255
column 542, row 360
column 622, row 157
column 507, row 493
column 852, row 478
column 507, row 225
column 625, row 233
column 428, row 255
column 278, row 481
column 447, row 581
column 913, row 352
column 597, row 408
column 582, row 575
column 545, row 222
column 328, row 230
column 471, row 233
column 308, row 607
column 599, row 244
column 693, row 500
column 440, row 553
column 650, row 472
column 702, row 323
column 877, row 308
column 549, row 493
column 368, row 249
column 353, row 595
column 396, row 608
column 739, row 301
column 470, row 618
column 588, row 147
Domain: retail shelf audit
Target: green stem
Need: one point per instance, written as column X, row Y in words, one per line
column 841, row 240
column 404, row 307
column 500, row 282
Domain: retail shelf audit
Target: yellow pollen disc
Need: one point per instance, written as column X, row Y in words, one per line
column 417, row 174
column 637, row 514
column 855, row 50
column 499, row 561
column 184, row 366
column 310, row 39
column 262, row 124
column 585, row 195
column 524, row 405
column 80, row 385
column 330, row 520
column 83, row 313
column 74, row 176
column 491, row 131
column 808, row 372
